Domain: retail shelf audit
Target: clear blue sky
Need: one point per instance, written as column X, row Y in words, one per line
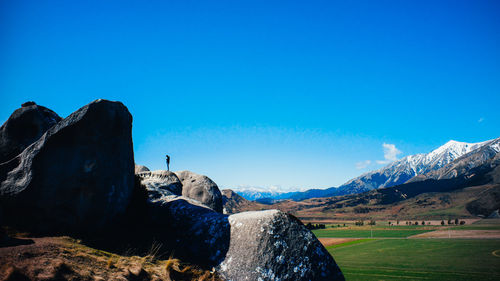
column 296, row 94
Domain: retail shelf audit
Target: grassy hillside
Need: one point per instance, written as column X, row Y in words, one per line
column 373, row 204
column 476, row 192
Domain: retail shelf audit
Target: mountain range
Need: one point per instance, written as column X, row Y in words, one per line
column 466, row 187
column 452, row 155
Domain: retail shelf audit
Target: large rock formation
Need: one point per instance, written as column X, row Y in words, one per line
column 184, row 226
column 78, row 176
column 160, row 182
column 25, row 126
column 201, row 188
column 185, row 183
column 272, row 245
column 263, row 245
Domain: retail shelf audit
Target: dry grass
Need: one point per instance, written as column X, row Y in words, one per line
column 176, row 270
column 64, row 258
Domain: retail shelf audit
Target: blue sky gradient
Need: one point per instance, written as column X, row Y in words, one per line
column 264, row 93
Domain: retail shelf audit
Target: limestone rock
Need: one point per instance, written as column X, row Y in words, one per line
column 77, row 177
column 201, row 188
column 189, row 229
column 272, row 245
column 262, row 245
column 140, row 168
column 160, row 183
column 25, row 126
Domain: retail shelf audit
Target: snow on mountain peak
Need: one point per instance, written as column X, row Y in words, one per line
column 400, row 171
column 397, row 172
column 450, row 151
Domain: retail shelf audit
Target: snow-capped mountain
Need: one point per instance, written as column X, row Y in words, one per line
column 467, row 164
column 256, row 193
column 402, row 170
column 450, row 159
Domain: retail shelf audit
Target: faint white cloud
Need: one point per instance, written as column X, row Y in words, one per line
column 480, row 120
column 390, row 153
column 363, row 164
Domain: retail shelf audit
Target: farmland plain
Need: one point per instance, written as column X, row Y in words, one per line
column 391, row 255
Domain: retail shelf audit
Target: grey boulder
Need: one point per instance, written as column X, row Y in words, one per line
column 263, row 245
column 190, row 230
column 141, row 168
column 201, row 188
column 272, row 245
column 161, row 182
column 77, row 177
column 25, row 126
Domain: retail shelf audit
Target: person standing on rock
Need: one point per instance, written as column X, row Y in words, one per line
column 168, row 162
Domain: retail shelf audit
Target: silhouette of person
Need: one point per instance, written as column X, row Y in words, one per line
column 168, row 162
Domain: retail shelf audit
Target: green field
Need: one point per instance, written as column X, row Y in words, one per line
column 476, row 227
column 419, row 259
column 367, row 233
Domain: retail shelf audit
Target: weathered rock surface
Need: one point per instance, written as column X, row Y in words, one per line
column 77, row 177
column 161, row 183
column 272, row 245
column 189, row 229
column 25, row 126
column 201, row 188
column 141, row 168
column 262, row 245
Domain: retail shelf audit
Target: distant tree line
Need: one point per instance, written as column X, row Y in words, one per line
column 456, row 222
column 362, row 222
column 450, row 222
column 311, row 226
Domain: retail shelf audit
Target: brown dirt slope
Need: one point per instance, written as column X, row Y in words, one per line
column 234, row 203
column 335, row 241
column 63, row 258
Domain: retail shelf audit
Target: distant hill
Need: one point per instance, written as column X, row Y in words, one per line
column 234, row 203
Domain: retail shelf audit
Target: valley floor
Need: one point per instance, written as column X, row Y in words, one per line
column 471, row 253
column 420, row 259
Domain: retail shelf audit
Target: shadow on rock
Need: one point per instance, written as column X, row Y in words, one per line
column 11, row 242
column 196, row 233
column 163, row 226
